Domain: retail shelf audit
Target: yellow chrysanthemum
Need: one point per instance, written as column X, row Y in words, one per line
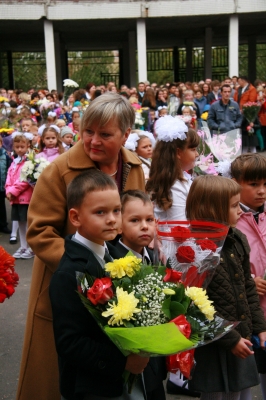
column 123, row 310
column 2, row 99
column 123, row 266
column 200, row 299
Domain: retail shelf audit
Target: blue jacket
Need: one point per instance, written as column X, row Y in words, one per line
column 201, row 103
column 224, row 117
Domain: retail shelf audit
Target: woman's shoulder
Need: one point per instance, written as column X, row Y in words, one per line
column 129, row 157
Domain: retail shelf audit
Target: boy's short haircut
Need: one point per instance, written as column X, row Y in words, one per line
column 130, row 195
column 249, row 167
column 87, row 182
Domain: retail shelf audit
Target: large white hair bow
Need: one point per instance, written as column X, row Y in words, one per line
column 169, row 128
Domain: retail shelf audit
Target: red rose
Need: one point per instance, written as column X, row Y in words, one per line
column 172, row 276
column 207, row 244
column 183, row 325
column 101, row 291
column 185, row 254
column 180, row 233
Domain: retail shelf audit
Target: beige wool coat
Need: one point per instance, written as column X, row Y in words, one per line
column 48, row 224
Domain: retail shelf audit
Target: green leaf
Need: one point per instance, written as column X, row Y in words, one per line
column 128, row 324
column 176, row 309
column 130, row 254
column 166, row 307
column 195, row 326
column 161, row 270
column 186, row 302
column 179, row 293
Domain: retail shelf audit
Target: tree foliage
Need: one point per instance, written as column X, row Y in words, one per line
column 87, row 66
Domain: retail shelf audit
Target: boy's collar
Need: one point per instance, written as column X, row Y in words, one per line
column 96, row 248
column 138, row 255
column 248, row 209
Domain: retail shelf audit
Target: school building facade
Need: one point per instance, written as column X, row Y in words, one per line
column 135, row 29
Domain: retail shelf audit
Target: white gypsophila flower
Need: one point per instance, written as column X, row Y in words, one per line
column 150, row 293
column 70, row 83
column 169, row 128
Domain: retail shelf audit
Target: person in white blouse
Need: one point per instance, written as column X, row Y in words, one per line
column 175, row 153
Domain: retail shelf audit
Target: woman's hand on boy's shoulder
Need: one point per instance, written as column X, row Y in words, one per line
column 260, row 285
column 241, row 349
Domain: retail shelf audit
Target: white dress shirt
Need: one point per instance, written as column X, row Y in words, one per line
column 179, row 192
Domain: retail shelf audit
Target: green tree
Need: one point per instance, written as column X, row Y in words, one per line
column 87, row 66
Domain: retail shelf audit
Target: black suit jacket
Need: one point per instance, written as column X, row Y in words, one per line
column 123, row 251
column 88, row 361
column 155, row 372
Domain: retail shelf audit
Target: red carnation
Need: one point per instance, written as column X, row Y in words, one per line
column 101, row 291
column 185, row 254
column 8, row 277
column 207, row 244
column 172, row 275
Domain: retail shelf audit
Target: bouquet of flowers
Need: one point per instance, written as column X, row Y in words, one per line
column 137, row 305
column 8, row 277
column 250, row 112
column 139, row 120
column 217, row 151
column 69, row 88
column 192, row 250
column 45, row 108
column 84, row 104
column 33, row 168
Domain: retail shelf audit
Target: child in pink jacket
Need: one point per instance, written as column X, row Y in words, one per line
column 19, row 193
column 249, row 170
column 50, row 143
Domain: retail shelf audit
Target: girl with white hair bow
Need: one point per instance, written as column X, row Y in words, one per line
column 142, row 143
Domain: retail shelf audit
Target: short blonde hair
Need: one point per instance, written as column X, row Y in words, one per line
column 209, row 198
column 109, row 107
column 24, row 96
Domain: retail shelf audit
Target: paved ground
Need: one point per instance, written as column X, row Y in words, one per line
column 12, row 322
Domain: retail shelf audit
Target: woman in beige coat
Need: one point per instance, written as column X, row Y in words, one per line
column 104, row 129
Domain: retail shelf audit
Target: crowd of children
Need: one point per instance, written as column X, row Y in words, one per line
column 90, row 365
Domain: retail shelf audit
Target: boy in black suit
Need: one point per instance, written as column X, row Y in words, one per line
column 90, row 365
column 138, row 229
